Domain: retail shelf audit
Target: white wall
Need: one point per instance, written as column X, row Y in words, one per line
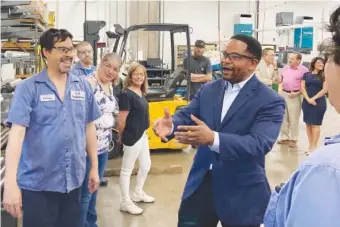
column 319, row 10
column 70, row 14
column 204, row 24
column 203, row 17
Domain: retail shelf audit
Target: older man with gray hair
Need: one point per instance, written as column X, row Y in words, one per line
column 266, row 70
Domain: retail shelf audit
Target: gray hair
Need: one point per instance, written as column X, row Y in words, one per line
column 110, row 56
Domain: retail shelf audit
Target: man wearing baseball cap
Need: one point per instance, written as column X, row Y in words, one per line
column 200, row 67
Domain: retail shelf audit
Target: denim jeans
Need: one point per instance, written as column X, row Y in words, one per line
column 88, row 200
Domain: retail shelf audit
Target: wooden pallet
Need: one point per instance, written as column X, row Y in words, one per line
column 12, row 45
column 39, row 8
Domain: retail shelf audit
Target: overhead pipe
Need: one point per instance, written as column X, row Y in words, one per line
column 85, row 8
column 257, row 19
column 283, row 28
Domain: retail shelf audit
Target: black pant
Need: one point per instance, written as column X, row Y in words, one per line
column 199, row 210
column 51, row 209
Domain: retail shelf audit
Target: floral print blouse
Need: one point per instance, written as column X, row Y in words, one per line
column 109, row 108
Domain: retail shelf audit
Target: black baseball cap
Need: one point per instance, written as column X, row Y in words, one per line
column 200, row 43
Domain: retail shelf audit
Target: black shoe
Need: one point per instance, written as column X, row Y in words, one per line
column 104, row 183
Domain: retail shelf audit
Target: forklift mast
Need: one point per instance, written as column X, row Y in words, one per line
column 91, row 35
column 161, row 27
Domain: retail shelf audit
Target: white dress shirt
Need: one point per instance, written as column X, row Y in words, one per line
column 231, row 92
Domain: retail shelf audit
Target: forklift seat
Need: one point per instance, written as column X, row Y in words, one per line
column 171, row 84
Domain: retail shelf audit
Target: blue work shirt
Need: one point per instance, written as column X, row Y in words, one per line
column 311, row 198
column 79, row 70
column 53, row 153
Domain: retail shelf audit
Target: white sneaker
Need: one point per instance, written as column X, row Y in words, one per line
column 130, row 207
column 142, row 197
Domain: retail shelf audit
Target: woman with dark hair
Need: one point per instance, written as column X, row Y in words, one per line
column 311, row 197
column 314, row 103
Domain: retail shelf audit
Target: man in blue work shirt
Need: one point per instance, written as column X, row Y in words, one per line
column 52, row 126
column 85, row 65
column 311, row 197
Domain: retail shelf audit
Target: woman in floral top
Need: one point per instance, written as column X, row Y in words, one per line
column 100, row 81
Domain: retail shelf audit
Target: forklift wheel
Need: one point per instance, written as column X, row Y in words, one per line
column 115, row 148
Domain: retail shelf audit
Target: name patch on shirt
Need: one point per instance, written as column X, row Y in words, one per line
column 47, row 98
column 77, row 95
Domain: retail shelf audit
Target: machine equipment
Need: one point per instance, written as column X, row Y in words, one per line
column 91, row 35
column 164, row 84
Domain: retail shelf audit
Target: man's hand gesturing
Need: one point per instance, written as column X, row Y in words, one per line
column 163, row 126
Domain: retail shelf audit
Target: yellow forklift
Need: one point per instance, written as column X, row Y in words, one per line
column 167, row 87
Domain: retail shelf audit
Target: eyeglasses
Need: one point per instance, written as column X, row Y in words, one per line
column 236, row 56
column 85, row 52
column 65, row 50
column 109, row 67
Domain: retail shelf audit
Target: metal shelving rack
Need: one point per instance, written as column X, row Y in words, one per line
column 22, row 23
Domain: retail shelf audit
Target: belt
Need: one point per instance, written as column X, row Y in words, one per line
column 290, row 91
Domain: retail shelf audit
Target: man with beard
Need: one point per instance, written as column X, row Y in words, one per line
column 200, row 68
column 85, row 65
column 52, row 127
column 234, row 122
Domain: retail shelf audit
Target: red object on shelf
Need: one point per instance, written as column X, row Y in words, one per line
column 101, row 45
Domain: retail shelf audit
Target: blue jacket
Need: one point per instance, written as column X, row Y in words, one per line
column 246, row 134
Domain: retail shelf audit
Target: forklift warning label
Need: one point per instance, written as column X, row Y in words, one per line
column 77, row 95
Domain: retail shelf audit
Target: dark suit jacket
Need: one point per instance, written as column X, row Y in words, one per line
column 247, row 133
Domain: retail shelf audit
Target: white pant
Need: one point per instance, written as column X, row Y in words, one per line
column 141, row 151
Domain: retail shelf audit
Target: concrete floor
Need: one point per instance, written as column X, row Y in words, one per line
column 168, row 188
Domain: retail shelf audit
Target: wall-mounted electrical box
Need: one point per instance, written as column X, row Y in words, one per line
column 243, row 24
column 243, row 19
column 304, row 20
column 246, row 29
column 303, row 38
column 284, row 18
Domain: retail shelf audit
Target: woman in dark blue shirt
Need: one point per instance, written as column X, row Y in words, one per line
column 314, row 103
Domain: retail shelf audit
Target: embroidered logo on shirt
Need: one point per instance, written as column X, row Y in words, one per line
column 47, row 98
column 77, row 95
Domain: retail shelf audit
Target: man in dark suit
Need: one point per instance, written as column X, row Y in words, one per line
column 234, row 122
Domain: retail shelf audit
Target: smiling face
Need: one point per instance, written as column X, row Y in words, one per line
column 61, row 56
column 138, row 77
column 237, row 63
column 294, row 61
column 109, row 70
column 319, row 65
